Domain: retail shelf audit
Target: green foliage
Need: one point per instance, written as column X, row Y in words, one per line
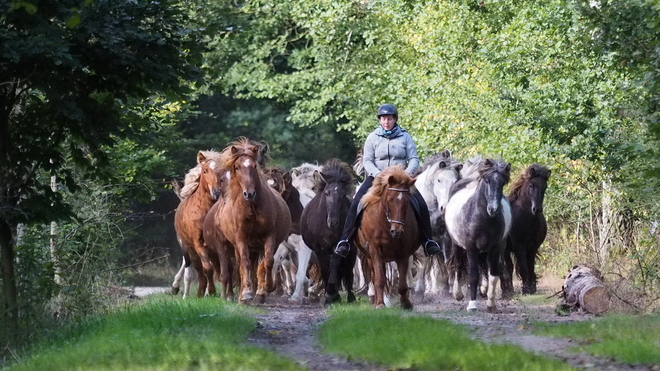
column 628, row 339
column 163, row 334
column 403, row 342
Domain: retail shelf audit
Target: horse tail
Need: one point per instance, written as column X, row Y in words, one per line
column 186, row 258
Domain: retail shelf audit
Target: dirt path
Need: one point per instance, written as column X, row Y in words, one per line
column 290, row 329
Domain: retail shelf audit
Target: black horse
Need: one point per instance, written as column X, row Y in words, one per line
column 322, row 222
column 478, row 218
column 528, row 228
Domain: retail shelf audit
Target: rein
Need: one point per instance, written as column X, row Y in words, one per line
column 387, row 210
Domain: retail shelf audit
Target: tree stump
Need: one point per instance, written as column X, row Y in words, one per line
column 584, row 289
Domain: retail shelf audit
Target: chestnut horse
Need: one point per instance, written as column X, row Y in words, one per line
column 253, row 218
column 189, row 221
column 387, row 211
column 528, row 227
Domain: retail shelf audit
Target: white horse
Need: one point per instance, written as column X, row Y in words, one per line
column 439, row 173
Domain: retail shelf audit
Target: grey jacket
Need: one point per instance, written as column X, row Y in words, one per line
column 381, row 151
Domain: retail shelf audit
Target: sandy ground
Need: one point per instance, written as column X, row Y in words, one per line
column 290, row 329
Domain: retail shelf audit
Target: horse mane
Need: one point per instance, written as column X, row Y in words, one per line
column 306, row 170
column 334, row 171
column 532, row 171
column 381, row 183
column 191, row 180
column 358, row 165
column 436, row 158
column 471, row 167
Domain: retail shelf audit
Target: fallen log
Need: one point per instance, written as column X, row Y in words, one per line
column 584, row 289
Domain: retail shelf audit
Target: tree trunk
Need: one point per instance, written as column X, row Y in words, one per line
column 584, row 289
column 10, row 298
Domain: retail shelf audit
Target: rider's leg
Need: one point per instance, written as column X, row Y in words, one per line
column 343, row 247
column 424, row 222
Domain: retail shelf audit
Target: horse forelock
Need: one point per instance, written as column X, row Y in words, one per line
column 381, row 183
column 488, row 167
column 239, row 148
column 531, row 172
column 337, row 171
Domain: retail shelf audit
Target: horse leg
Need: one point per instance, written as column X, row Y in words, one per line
column 507, row 274
column 265, row 278
column 473, row 269
column 531, row 268
column 347, row 269
column 304, row 255
column 188, row 277
column 494, row 272
column 178, row 277
column 523, row 269
column 330, row 266
column 245, row 272
column 379, row 279
column 402, row 265
column 420, row 280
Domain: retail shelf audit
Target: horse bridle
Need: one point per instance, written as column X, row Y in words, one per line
column 387, row 210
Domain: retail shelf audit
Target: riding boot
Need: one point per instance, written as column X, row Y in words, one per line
column 431, row 248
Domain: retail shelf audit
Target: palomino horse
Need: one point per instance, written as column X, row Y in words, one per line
column 434, row 182
column 478, row 218
column 380, row 236
column 323, row 221
column 189, row 221
column 253, row 218
column 528, row 227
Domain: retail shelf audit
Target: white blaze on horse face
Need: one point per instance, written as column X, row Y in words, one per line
column 270, row 182
column 212, row 164
column 400, row 196
column 247, row 162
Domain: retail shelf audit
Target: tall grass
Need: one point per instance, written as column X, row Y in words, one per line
column 389, row 338
column 162, row 334
column 628, row 339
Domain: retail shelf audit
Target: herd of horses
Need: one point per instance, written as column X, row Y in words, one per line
column 247, row 224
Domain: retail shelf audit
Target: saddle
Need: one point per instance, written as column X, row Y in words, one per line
column 413, row 203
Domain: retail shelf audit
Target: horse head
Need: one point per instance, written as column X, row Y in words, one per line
column 242, row 160
column 396, row 200
column 529, row 190
column 212, row 176
column 335, row 181
column 275, row 177
column 448, row 173
column 493, row 175
column 302, row 177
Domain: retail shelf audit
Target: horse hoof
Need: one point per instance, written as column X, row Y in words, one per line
column 492, row 309
column 380, row 306
column 350, row 298
column 406, row 306
column 458, row 297
column 175, row 290
column 260, row 299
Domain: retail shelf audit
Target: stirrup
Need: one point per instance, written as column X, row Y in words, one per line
column 342, row 249
column 432, row 248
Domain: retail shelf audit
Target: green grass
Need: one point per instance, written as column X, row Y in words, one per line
column 628, row 339
column 162, row 334
column 390, row 338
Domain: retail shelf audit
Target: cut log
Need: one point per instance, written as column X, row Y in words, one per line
column 584, row 289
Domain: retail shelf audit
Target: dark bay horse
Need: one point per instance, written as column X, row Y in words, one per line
column 478, row 219
column 189, row 221
column 528, row 227
column 380, row 236
column 323, row 220
column 253, row 218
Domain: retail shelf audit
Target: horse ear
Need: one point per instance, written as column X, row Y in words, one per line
column 459, row 167
column 295, row 172
column 234, row 150
column 446, row 153
column 548, row 173
column 287, row 177
column 411, row 182
column 508, row 167
column 531, row 172
column 201, row 158
column 264, row 149
column 442, row 165
column 318, row 176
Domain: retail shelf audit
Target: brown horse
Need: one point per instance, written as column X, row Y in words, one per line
column 189, row 220
column 253, row 218
column 381, row 234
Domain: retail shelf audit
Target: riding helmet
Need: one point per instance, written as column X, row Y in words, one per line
column 387, row 109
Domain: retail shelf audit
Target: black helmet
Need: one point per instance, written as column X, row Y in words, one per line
column 387, row 109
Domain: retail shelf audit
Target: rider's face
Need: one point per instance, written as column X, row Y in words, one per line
column 387, row 121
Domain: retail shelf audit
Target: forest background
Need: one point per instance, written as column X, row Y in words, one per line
column 104, row 102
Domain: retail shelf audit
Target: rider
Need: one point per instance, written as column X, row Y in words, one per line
column 388, row 145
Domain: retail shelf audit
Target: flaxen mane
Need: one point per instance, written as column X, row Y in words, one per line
column 381, row 183
column 532, row 171
column 191, row 180
column 337, row 171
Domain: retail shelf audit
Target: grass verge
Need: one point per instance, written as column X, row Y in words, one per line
column 162, row 334
column 627, row 339
column 398, row 341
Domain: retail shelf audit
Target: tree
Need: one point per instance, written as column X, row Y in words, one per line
column 71, row 73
